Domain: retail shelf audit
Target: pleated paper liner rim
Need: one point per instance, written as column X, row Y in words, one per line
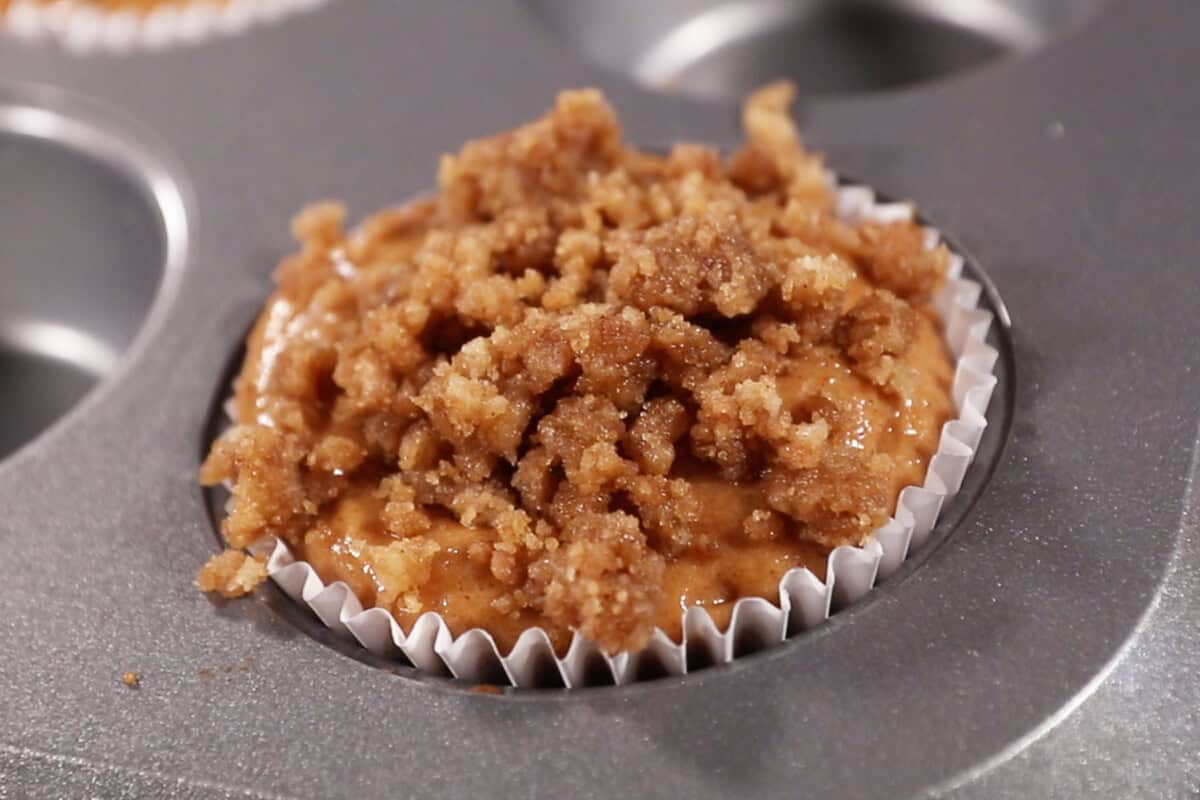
column 82, row 27
column 804, row 601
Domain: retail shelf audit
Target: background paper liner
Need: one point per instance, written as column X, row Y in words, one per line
column 803, row 602
column 84, row 28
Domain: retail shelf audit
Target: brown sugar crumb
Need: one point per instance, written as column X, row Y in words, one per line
column 486, row 688
column 583, row 387
column 245, row 665
column 133, row 680
column 232, row 573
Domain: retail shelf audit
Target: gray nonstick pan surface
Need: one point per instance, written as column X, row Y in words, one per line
column 1045, row 644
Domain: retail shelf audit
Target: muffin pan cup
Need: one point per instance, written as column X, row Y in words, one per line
column 713, row 48
column 74, row 299
column 803, row 600
column 1042, row 643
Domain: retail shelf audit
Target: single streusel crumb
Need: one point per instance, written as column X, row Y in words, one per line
column 583, row 387
column 487, row 688
column 133, row 680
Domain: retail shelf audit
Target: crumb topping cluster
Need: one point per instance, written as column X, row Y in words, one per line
column 583, row 385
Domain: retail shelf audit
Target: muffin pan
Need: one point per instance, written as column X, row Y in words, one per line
column 75, row 295
column 1067, row 175
column 716, row 48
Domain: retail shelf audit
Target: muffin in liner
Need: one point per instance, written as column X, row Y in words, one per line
column 86, row 26
column 803, row 599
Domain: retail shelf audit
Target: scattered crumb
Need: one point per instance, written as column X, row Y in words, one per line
column 486, row 688
column 242, row 666
column 210, row 673
column 1056, row 130
column 132, row 679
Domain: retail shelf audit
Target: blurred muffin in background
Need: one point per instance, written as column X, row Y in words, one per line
column 86, row 26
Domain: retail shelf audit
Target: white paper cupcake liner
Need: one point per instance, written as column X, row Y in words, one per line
column 803, row 601
column 84, row 28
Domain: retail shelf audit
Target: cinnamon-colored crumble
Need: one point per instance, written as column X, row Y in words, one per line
column 584, row 386
column 486, row 688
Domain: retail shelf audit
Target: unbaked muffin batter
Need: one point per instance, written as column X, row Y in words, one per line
column 582, row 386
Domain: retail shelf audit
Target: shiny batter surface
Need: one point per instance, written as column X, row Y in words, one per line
column 583, row 386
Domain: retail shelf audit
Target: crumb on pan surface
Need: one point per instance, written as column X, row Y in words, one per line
column 584, row 386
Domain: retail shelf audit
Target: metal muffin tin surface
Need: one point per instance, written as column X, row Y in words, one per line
column 1046, row 647
column 75, row 295
column 715, row 48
